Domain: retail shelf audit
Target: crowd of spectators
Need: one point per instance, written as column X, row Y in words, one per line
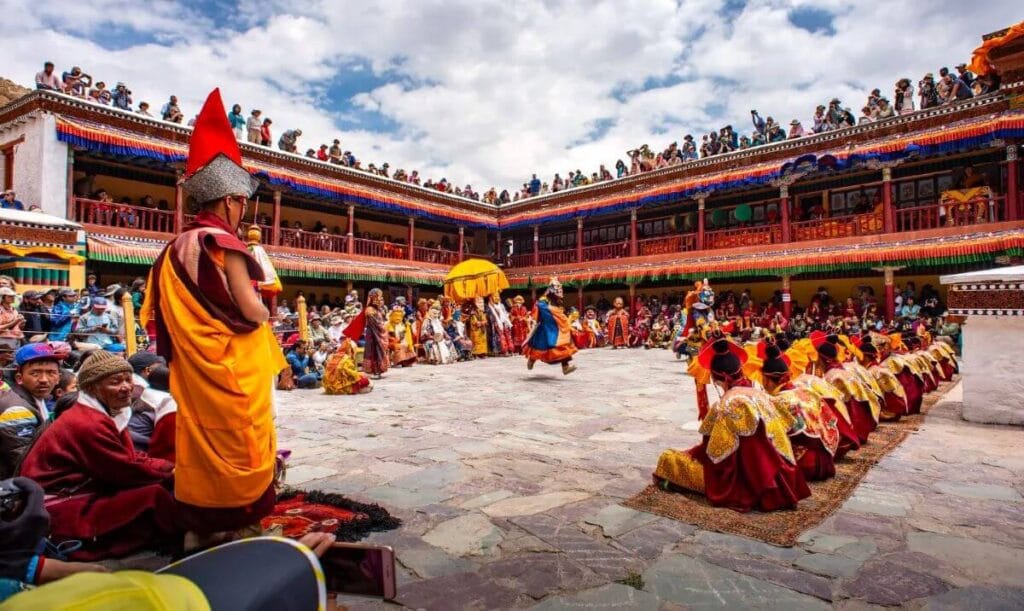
column 951, row 87
column 256, row 129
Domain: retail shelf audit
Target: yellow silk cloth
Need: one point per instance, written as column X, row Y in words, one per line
column 804, row 405
column 682, row 469
column 853, row 387
column 825, row 391
column 223, row 383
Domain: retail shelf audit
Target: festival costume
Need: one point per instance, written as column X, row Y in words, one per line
column 438, row 349
column 222, row 365
column 745, row 460
column 403, row 351
column 375, row 335
column 341, row 376
column 520, row 318
column 478, row 326
column 108, row 496
column 618, row 327
column 456, row 330
column 862, row 403
column 894, row 396
column 499, row 328
column 550, row 340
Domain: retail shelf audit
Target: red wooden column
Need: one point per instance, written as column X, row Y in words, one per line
column 700, row 223
column 275, row 231
column 579, row 241
column 890, row 293
column 412, row 235
column 1012, row 185
column 632, row 301
column 579, row 298
column 888, row 217
column 462, row 242
column 536, row 244
column 787, row 298
column 179, row 205
column 350, row 235
column 784, row 211
column 70, row 212
column 634, row 245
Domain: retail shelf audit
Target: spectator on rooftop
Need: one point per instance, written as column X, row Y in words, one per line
column 534, row 185
column 76, row 83
column 759, row 124
column 867, row 116
column 958, row 90
column 904, row 96
column 311, row 153
column 928, row 92
column 237, row 121
column 775, row 133
column 321, row 153
column 170, row 111
column 796, row 130
column 9, row 201
column 820, row 120
column 48, row 79
column 289, row 141
column 944, row 85
column 100, row 94
column 876, row 94
column 334, row 153
column 884, row 109
column 965, row 75
column 122, row 97
column 266, row 138
column 252, row 126
column 143, row 109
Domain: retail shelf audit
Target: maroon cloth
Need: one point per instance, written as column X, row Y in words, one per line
column 209, row 288
column 947, row 369
column 815, row 462
column 109, row 496
column 895, row 404
column 375, row 346
column 161, row 442
column 861, row 419
column 848, row 439
column 755, row 476
column 209, row 520
column 913, row 387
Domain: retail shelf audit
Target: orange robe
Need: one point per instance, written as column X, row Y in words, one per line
column 222, row 371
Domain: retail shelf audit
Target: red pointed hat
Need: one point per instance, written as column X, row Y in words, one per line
column 214, row 167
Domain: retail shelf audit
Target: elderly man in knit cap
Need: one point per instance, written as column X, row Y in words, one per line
column 110, row 497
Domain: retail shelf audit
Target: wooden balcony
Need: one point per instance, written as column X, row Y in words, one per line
column 110, row 214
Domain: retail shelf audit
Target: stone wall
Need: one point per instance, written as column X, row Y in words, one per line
column 40, row 164
column 992, row 367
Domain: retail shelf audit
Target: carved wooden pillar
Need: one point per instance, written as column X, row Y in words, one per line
column 275, row 231
column 890, row 293
column 700, row 223
column 634, row 245
column 888, row 218
column 536, row 244
column 412, row 236
column 1012, row 184
column 462, row 242
column 350, row 235
column 787, row 298
column 784, row 212
column 179, row 205
column 579, row 241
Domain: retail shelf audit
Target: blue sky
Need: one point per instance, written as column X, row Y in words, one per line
column 488, row 92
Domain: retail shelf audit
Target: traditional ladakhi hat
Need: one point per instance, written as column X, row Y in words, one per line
column 555, row 287
column 99, row 365
column 775, row 363
column 214, row 167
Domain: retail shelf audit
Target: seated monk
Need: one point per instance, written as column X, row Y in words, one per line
column 894, row 397
column 341, row 376
column 946, row 356
column 862, row 404
column 745, row 460
column 815, row 430
column 108, row 496
column 894, row 358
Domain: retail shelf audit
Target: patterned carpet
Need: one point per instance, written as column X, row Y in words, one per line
column 783, row 528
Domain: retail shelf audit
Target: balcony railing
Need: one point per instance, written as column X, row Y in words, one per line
column 600, row 252
column 935, row 215
column 557, row 257
column 111, row 214
column 842, row 227
column 742, row 236
column 310, row 240
column 436, row 255
column 523, row 259
column 374, row 248
column 667, row 244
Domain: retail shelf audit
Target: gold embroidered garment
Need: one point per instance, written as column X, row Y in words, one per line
column 738, row 415
column 825, row 391
column 682, row 469
column 887, row 381
column 804, row 406
column 853, row 388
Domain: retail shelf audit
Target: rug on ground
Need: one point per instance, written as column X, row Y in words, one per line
column 783, row 528
column 299, row 512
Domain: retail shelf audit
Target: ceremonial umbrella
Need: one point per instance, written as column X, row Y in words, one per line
column 474, row 278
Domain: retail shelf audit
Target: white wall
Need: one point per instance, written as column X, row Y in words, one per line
column 993, row 373
column 40, row 164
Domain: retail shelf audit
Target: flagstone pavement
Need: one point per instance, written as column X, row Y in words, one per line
column 509, row 484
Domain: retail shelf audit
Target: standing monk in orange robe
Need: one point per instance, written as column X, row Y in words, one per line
column 223, row 358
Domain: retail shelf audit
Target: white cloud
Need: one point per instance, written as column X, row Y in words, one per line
column 488, row 92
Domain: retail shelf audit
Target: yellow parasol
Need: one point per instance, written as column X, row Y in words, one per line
column 474, row 278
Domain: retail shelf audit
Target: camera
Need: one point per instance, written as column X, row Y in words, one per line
column 12, row 500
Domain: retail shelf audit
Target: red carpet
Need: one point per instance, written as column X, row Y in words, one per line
column 300, row 512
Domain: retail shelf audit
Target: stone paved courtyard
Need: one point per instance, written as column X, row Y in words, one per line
column 509, row 484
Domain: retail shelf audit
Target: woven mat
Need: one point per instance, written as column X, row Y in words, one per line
column 783, row 528
column 298, row 513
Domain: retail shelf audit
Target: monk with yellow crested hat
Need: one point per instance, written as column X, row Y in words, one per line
column 212, row 329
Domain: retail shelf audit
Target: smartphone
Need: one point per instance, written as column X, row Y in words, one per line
column 360, row 569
